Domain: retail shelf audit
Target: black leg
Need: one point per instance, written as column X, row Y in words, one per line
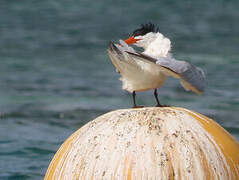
column 156, row 97
column 134, row 95
column 134, row 100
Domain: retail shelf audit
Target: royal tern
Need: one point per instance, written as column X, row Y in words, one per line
column 151, row 68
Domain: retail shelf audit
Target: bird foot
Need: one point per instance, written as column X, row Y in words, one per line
column 164, row 105
column 138, row 106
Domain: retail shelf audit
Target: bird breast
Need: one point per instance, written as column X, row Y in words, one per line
column 143, row 77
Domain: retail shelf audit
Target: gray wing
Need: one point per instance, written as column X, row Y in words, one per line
column 191, row 77
column 121, row 59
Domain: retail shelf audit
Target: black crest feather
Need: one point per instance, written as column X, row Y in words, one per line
column 144, row 29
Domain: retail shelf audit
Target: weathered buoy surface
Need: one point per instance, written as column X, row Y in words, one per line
column 148, row 143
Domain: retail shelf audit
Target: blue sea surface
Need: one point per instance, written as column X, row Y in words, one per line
column 55, row 74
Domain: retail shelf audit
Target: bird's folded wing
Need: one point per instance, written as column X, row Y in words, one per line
column 191, row 77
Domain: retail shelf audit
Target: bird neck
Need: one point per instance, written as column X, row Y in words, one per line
column 159, row 47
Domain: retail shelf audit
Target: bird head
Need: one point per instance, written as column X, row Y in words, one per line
column 151, row 40
column 143, row 36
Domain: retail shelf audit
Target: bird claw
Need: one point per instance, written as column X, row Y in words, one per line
column 164, row 105
column 138, row 106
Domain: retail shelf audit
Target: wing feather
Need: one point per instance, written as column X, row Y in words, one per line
column 191, row 77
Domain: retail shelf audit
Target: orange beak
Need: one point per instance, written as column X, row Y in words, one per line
column 131, row 40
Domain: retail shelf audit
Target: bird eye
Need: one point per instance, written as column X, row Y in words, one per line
column 137, row 34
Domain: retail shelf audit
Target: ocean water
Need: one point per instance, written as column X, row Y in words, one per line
column 55, row 74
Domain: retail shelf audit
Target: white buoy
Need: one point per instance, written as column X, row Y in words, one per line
column 148, row 143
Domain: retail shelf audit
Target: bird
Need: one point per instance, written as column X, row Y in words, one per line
column 149, row 69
